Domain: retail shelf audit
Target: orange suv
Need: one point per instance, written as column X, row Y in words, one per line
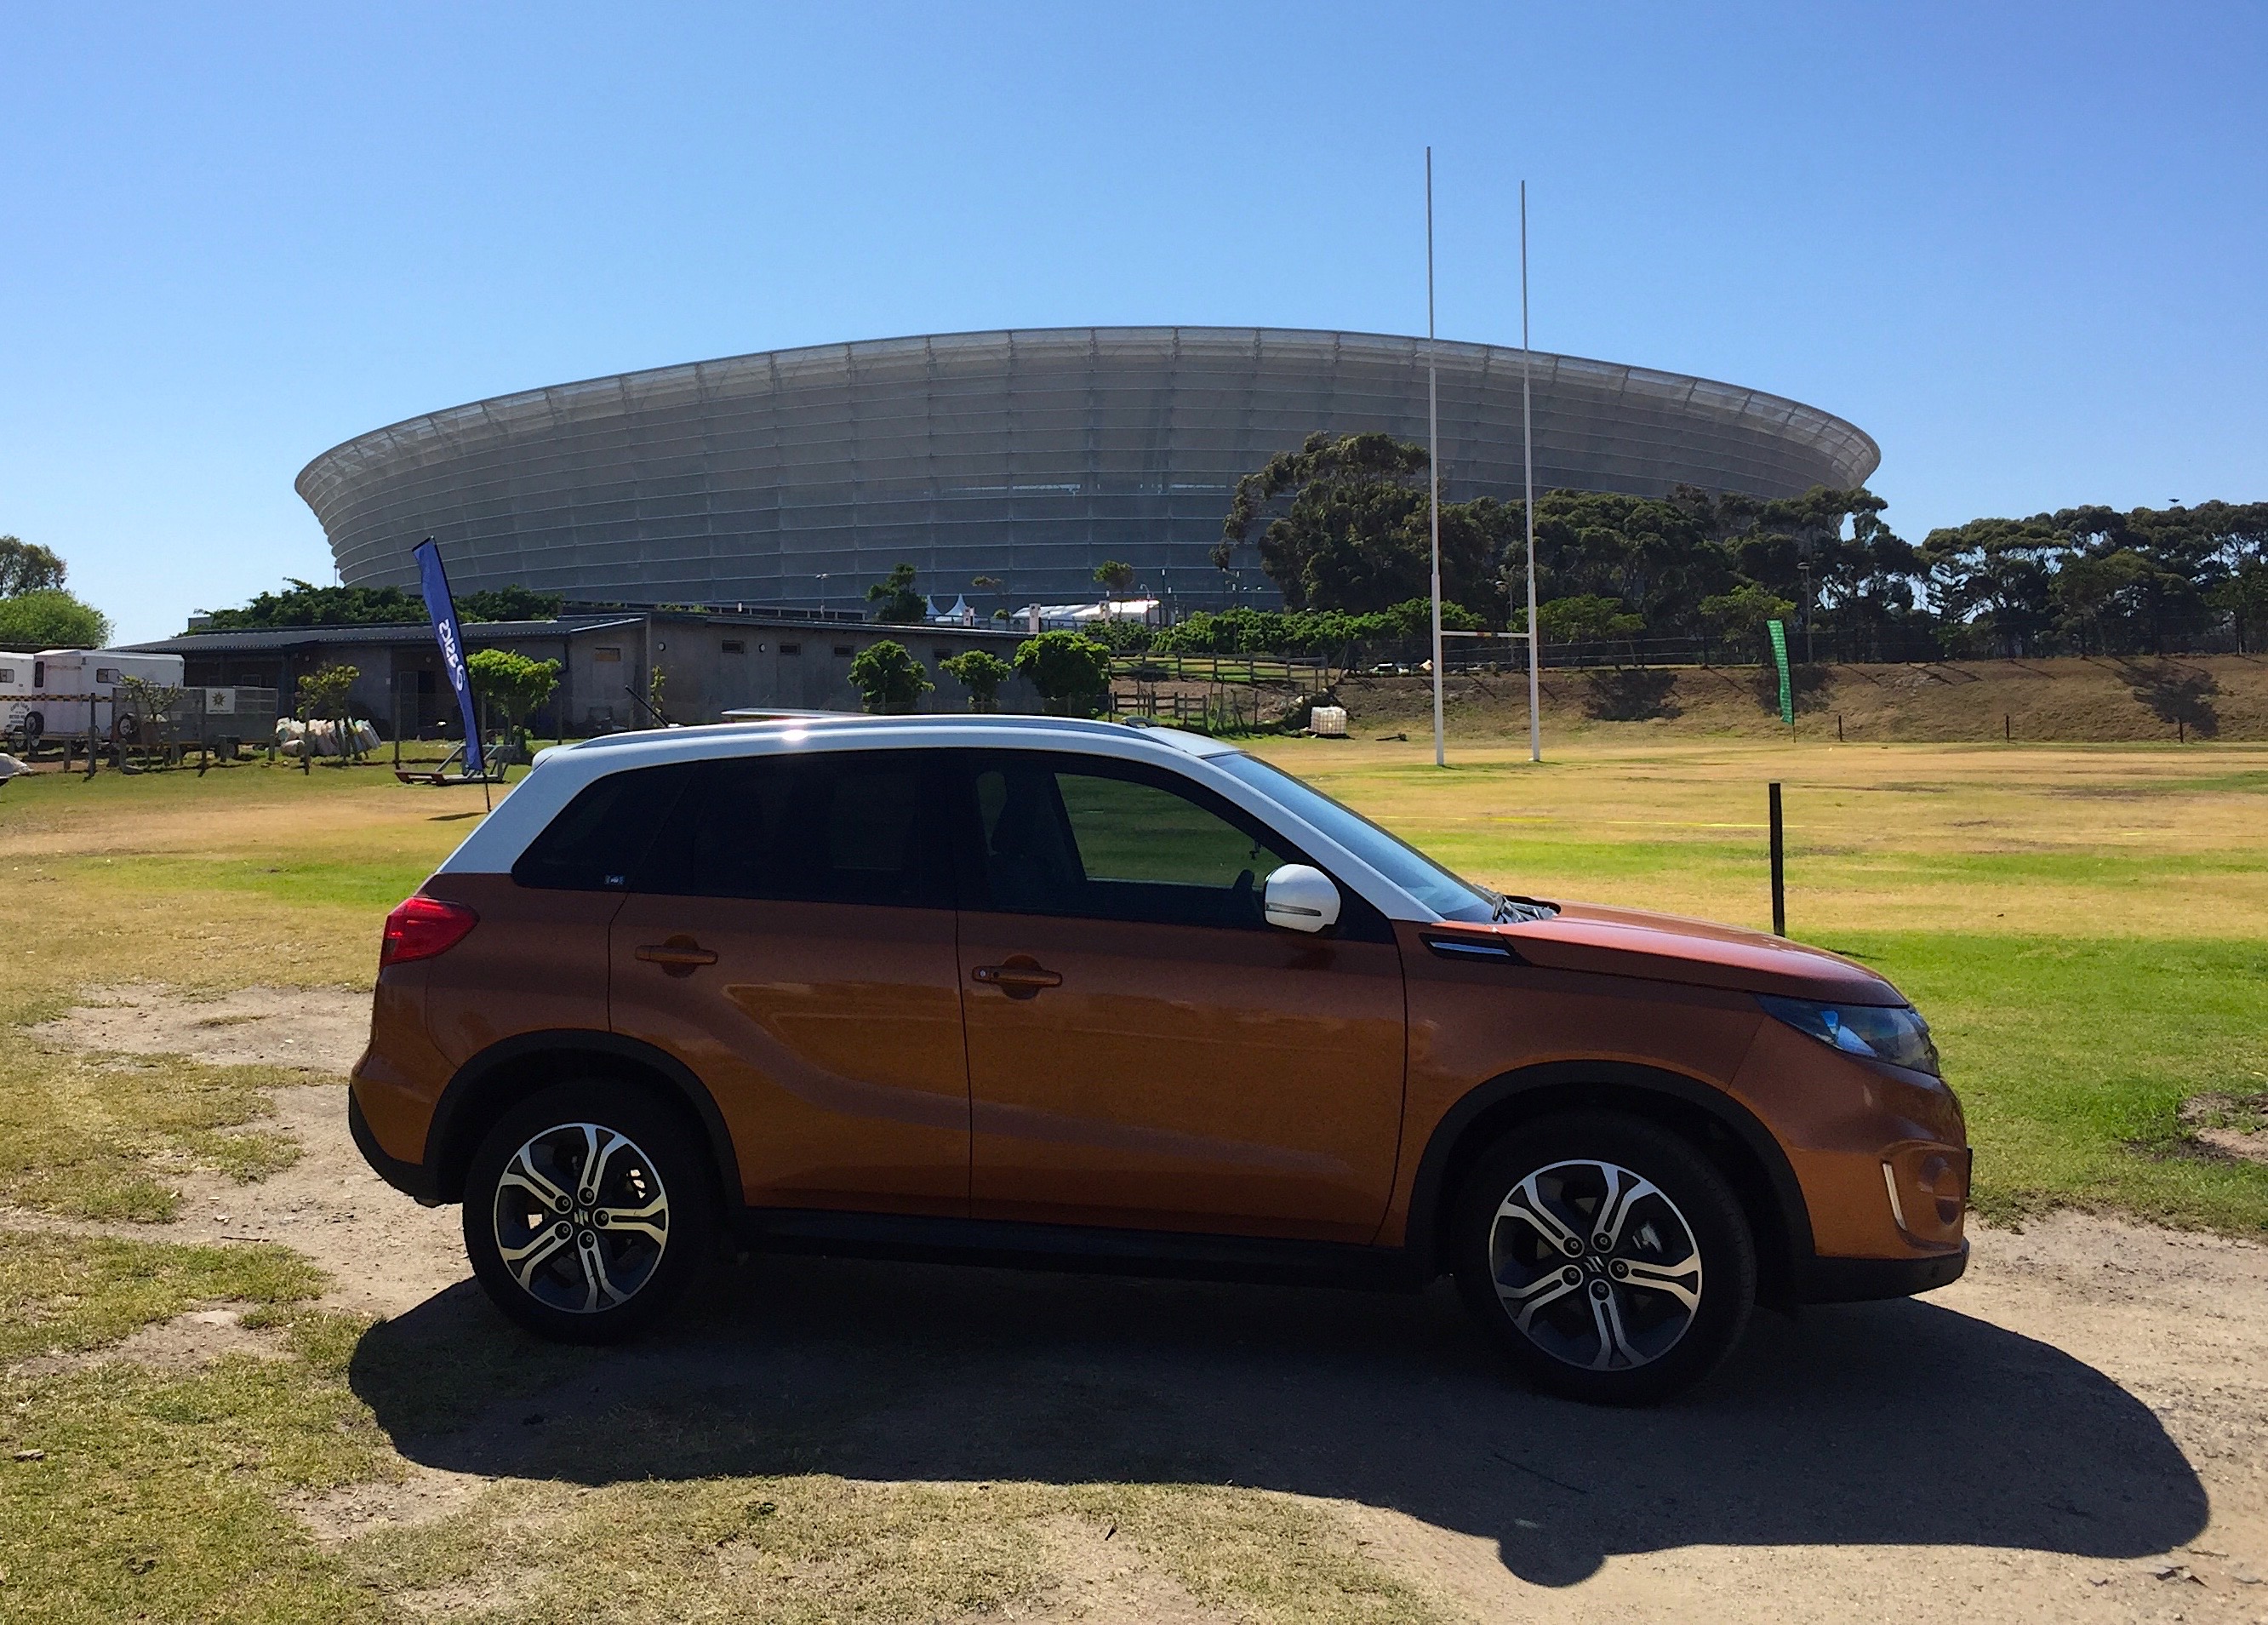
column 1021, row 991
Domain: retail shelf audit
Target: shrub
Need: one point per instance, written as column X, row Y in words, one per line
column 890, row 680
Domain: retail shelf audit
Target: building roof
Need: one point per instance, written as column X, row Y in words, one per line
column 273, row 639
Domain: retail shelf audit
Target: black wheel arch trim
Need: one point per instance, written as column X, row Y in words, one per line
column 446, row 1158
column 1429, row 1193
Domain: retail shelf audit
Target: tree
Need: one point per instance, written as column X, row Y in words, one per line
column 303, row 603
column 2244, row 595
column 1355, row 534
column 509, row 603
column 891, row 681
column 1587, row 617
column 982, row 673
column 1741, row 619
column 512, row 682
column 1071, row 672
column 1996, row 576
column 323, row 695
column 1116, row 577
column 895, row 600
column 27, row 567
column 987, row 583
column 147, row 711
column 51, row 619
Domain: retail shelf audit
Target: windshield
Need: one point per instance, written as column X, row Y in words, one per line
column 1400, row 862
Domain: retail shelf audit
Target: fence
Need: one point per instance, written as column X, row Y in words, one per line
column 158, row 726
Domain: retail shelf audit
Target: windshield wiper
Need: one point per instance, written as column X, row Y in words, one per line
column 1520, row 910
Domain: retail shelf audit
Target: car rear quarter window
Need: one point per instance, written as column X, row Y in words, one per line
column 852, row 827
column 599, row 840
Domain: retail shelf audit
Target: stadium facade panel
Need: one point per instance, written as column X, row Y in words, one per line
column 800, row 477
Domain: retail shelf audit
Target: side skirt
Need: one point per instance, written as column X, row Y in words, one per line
column 1010, row 1244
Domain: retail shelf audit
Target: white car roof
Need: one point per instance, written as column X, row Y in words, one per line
column 562, row 772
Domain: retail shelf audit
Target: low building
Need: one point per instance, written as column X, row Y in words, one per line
column 708, row 663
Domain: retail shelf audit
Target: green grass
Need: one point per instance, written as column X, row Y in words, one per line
column 104, row 1137
column 127, row 1492
column 2073, row 1059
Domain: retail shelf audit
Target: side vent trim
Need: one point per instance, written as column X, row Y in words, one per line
column 1472, row 951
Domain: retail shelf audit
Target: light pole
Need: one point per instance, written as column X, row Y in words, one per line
column 1433, row 461
column 1528, row 453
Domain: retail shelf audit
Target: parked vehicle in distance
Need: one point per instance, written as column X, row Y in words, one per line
column 1024, row 991
column 57, row 691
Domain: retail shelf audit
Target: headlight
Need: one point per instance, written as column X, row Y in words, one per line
column 1892, row 1033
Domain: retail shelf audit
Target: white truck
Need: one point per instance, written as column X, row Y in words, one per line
column 65, row 690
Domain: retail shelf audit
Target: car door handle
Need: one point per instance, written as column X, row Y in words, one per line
column 681, row 955
column 1020, row 977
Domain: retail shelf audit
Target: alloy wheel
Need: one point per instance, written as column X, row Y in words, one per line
column 581, row 1218
column 1595, row 1266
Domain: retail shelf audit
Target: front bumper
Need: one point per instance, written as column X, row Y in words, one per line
column 1858, row 1280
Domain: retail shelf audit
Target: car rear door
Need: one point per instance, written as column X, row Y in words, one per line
column 1144, row 1050
column 790, row 938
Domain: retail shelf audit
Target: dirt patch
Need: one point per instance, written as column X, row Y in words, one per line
column 2234, row 1126
column 313, row 1029
column 1100, row 1579
column 422, row 1495
column 185, row 1343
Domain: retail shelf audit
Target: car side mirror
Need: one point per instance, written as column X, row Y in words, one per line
column 1300, row 898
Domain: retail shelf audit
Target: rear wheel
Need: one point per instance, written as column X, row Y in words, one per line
column 1607, row 1256
column 588, row 1210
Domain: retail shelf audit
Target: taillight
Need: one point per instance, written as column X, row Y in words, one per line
column 423, row 927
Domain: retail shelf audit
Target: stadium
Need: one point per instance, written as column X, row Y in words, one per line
column 1004, row 466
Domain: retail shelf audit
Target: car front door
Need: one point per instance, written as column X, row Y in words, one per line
column 1144, row 1051
column 790, row 937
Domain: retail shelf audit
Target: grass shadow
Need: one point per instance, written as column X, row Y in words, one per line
column 1886, row 1424
column 1631, row 694
column 2177, row 695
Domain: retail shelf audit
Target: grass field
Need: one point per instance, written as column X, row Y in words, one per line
column 2087, row 928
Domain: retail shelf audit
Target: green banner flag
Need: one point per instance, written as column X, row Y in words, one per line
column 1786, row 686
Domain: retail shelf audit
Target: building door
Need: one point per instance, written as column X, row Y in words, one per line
column 790, row 937
column 1144, row 1051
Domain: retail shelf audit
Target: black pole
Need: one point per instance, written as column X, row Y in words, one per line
column 1778, row 873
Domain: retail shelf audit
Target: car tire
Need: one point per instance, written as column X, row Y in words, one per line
column 575, row 1263
column 1607, row 1256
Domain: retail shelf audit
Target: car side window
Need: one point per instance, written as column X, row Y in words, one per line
column 1062, row 837
column 860, row 827
column 599, row 840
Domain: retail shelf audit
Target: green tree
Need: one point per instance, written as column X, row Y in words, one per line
column 1740, row 620
column 1071, row 672
column 895, row 600
column 1354, row 532
column 982, row 673
column 2244, row 596
column 27, row 567
column 323, row 695
column 51, row 619
column 890, row 680
column 303, row 603
column 514, row 683
column 1587, row 617
column 509, row 603
column 1116, row 577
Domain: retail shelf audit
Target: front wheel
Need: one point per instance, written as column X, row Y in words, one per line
column 588, row 1209
column 1606, row 1256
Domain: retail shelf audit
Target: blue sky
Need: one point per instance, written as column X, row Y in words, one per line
column 2024, row 246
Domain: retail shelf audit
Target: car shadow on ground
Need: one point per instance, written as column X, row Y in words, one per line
column 1881, row 1424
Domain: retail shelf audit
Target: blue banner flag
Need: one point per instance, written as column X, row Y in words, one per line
column 443, row 608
